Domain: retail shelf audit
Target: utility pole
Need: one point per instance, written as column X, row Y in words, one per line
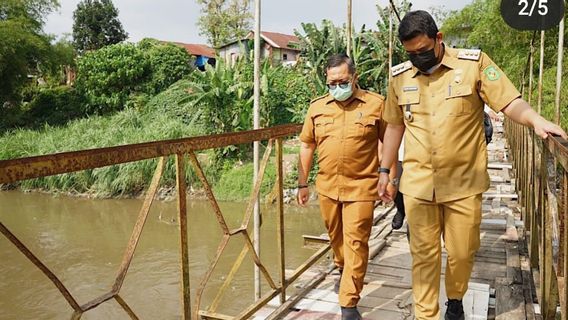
column 256, row 144
column 349, row 26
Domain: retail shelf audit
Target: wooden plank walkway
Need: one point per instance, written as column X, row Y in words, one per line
column 501, row 282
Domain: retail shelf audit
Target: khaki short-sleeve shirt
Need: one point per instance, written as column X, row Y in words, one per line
column 347, row 144
column 445, row 149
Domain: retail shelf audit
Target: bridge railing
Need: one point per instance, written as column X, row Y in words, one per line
column 542, row 182
column 14, row 170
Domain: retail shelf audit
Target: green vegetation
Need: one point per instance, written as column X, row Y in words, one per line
column 125, row 127
column 24, row 47
column 111, row 76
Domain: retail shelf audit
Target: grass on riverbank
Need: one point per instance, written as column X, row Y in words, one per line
column 166, row 116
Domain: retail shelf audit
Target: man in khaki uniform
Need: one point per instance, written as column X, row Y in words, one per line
column 345, row 127
column 438, row 98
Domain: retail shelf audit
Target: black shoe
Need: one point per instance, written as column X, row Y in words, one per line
column 454, row 310
column 397, row 220
column 338, row 282
column 350, row 313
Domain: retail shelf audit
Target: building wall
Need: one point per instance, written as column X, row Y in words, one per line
column 291, row 55
column 231, row 52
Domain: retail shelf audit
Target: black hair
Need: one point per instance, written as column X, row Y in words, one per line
column 416, row 23
column 338, row 59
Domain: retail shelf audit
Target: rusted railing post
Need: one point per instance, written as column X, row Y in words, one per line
column 280, row 220
column 184, row 249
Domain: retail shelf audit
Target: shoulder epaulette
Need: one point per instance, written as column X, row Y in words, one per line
column 319, row 98
column 469, row 54
column 400, row 68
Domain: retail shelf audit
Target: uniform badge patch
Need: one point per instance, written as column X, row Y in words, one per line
column 492, row 73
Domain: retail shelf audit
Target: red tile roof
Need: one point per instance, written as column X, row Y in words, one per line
column 278, row 40
column 197, row 49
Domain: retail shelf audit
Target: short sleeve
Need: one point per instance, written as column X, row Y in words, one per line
column 307, row 135
column 392, row 114
column 495, row 88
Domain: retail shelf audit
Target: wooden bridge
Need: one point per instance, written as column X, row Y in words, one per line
column 519, row 271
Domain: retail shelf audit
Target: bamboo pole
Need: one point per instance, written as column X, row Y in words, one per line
column 540, row 73
column 559, row 70
column 390, row 42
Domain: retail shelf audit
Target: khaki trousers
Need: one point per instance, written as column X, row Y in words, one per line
column 458, row 223
column 349, row 227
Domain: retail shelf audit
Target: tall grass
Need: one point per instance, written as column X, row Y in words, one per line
column 155, row 122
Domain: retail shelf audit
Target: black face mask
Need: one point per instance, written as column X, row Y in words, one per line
column 424, row 61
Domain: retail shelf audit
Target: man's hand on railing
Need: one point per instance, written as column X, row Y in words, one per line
column 543, row 128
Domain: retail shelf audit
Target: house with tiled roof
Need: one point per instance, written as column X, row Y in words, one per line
column 280, row 48
column 203, row 54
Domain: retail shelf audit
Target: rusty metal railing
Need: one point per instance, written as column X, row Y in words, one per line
column 542, row 182
column 41, row 166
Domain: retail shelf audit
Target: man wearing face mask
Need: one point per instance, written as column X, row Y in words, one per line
column 436, row 100
column 345, row 126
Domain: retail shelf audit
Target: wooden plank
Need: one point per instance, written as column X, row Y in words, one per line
column 514, row 275
column 510, row 304
column 527, row 288
column 499, row 165
column 500, row 195
column 286, row 307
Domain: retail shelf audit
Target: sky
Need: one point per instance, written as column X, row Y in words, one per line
column 175, row 20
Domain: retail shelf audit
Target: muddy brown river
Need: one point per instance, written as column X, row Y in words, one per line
column 83, row 240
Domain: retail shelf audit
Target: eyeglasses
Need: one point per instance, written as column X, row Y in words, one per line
column 342, row 85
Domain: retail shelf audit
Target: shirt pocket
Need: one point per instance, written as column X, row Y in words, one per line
column 409, row 102
column 457, row 100
column 322, row 127
column 365, row 128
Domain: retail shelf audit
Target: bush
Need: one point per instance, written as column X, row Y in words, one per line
column 114, row 75
column 168, row 64
column 108, row 76
column 52, row 106
column 55, row 106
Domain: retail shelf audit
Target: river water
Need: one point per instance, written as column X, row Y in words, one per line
column 82, row 241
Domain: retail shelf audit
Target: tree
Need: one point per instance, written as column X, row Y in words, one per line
column 23, row 45
column 96, row 25
column 223, row 21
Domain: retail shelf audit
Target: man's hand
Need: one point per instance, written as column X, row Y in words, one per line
column 303, row 196
column 544, row 128
column 384, row 192
column 392, row 190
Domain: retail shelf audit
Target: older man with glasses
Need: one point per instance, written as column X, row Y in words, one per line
column 345, row 127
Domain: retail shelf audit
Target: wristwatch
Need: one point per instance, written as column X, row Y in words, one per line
column 384, row 170
column 395, row 182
